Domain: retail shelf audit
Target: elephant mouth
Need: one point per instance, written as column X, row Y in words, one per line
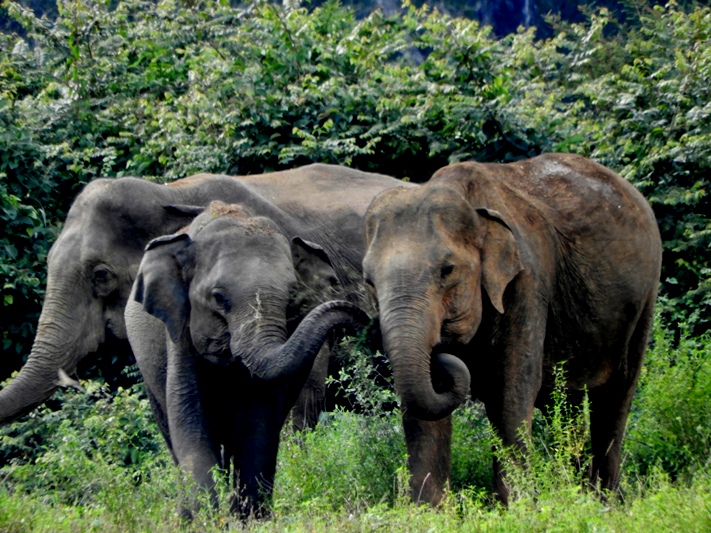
column 215, row 350
column 442, row 381
column 223, row 358
column 450, row 346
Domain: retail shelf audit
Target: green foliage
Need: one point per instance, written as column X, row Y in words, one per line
column 363, row 380
column 670, row 425
column 557, row 454
column 93, row 429
column 639, row 103
column 98, row 461
column 350, row 462
column 171, row 88
column 472, row 450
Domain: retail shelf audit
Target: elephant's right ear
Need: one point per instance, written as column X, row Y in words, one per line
column 160, row 284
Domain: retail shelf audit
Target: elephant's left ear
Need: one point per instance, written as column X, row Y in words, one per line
column 501, row 261
column 160, row 285
column 313, row 265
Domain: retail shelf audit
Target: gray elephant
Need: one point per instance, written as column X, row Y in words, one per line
column 220, row 291
column 92, row 264
column 488, row 276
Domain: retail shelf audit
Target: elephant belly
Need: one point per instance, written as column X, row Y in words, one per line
column 590, row 356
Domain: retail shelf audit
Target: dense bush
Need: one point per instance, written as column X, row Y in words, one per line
column 671, row 419
column 167, row 89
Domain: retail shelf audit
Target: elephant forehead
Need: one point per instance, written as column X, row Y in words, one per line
column 230, row 246
column 246, row 231
column 412, row 205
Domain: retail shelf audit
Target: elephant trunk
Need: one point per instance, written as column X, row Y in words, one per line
column 430, row 385
column 60, row 343
column 279, row 361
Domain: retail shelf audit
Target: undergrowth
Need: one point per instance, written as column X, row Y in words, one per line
column 99, row 464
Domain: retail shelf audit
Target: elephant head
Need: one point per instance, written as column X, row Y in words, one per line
column 433, row 261
column 227, row 282
column 90, row 270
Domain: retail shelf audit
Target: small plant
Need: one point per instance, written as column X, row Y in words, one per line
column 557, row 455
column 351, row 458
column 472, row 449
column 364, row 379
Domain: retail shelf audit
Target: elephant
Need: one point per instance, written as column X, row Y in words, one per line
column 488, row 276
column 93, row 263
column 220, row 292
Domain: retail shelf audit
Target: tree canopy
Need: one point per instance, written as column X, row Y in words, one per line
column 166, row 89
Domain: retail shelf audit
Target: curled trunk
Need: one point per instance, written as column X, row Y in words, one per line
column 280, row 361
column 430, row 385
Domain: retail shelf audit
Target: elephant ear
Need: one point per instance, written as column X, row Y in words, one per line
column 160, row 285
column 189, row 211
column 501, row 261
column 314, row 267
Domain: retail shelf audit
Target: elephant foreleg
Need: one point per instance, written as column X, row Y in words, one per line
column 512, row 391
column 194, row 448
column 429, row 457
column 263, row 417
column 146, row 334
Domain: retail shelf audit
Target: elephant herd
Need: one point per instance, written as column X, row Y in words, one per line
column 231, row 291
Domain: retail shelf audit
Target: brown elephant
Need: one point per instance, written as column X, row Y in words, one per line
column 488, row 276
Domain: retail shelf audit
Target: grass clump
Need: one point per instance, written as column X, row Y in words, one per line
column 670, row 426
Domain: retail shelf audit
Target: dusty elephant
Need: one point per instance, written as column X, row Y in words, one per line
column 221, row 291
column 93, row 262
column 488, row 276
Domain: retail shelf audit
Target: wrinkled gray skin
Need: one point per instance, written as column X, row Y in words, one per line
column 92, row 265
column 488, row 276
column 221, row 292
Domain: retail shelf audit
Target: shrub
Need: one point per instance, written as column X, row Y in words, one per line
column 167, row 89
column 63, row 452
column 670, row 425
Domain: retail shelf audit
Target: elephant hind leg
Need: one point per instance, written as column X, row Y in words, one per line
column 610, row 406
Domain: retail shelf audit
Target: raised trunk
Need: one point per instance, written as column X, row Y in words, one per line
column 409, row 336
column 61, row 342
column 279, row 361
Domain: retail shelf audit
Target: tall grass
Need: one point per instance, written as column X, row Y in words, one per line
column 99, row 464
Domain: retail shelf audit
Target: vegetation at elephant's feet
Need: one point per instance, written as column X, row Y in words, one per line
column 99, row 464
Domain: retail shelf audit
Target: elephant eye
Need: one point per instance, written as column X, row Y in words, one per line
column 219, row 299
column 104, row 281
column 102, row 275
column 447, row 269
column 369, row 282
